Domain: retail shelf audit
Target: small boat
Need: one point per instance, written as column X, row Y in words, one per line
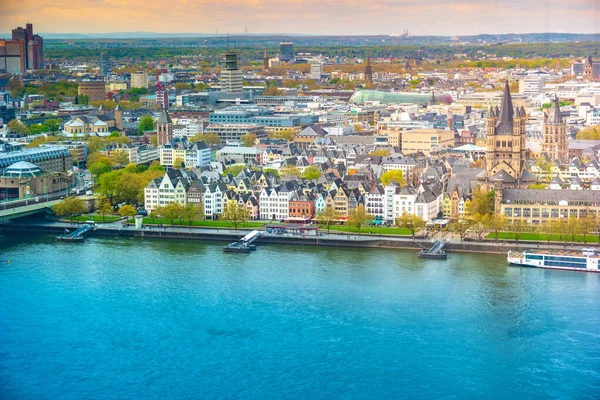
column 436, row 252
column 442, row 255
column 64, row 238
column 236, row 248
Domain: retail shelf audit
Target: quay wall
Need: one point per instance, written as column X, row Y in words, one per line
column 226, row 235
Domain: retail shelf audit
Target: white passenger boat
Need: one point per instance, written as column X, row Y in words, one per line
column 576, row 260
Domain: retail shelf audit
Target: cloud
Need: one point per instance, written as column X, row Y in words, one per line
column 424, row 17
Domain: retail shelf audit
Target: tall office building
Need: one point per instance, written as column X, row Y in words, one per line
column 231, row 76
column 33, row 49
column 316, row 70
column 12, row 56
column 554, row 141
column 139, row 79
column 286, row 50
column 105, row 65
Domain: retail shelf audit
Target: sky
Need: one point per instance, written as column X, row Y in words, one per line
column 312, row 17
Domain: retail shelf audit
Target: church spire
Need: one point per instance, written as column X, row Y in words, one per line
column 554, row 115
column 506, row 115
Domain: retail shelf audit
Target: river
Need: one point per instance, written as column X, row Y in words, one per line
column 116, row 318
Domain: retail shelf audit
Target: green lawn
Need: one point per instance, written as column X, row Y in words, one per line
column 97, row 218
column 542, row 238
column 375, row 230
column 203, row 223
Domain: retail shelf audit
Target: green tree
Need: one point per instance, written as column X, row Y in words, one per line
column 105, row 208
column 328, row 217
column 52, row 125
column 17, row 126
column 182, row 86
column 393, row 176
column 496, row 224
column 591, row 133
column 287, row 134
column 178, row 163
column 120, row 157
column 127, row 210
column 192, row 212
column 311, row 173
column 359, row 217
column 480, row 223
column 588, row 225
column 208, row 138
column 249, row 139
column 173, row 211
column 234, row 170
column 36, row 129
column 380, row 153
column 289, row 170
column 15, row 87
column 481, row 203
column 519, row 227
column 146, row 124
column 235, row 213
column 70, row 207
column 99, row 168
column 460, row 227
column 412, row 222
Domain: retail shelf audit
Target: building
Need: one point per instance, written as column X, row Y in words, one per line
column 94, row 90
column 171, row 188
column 12, row 56
column 286, row 51
column 105, row 65
column 26, row 180
column 534, row 207
column 191, row 154
column 85, row 125
column 164, row 128
column 591, row 70
column 231, row 76
column 48, row 158
column 554, row 140
column 33, row 47
column 140, row 154
column 426, row 140
column 139, row 79
column 506, row 153
column 316, row 70
column 234, row 132
column 369, row 70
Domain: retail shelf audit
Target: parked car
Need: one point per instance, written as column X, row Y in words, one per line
column 143, row 212
column 89, row 193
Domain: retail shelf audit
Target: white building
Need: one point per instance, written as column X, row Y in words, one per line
column 316, row 70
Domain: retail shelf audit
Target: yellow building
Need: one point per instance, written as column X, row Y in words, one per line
column 426, row 140
column 139, row 79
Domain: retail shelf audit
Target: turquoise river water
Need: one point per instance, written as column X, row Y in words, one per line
column 146, row 319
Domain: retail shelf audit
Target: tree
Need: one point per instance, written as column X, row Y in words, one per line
column 591, row 133
column 519, row 227
column 105, row 208
column 99, row 168
column 234, row 170
column 328, row 217
column 460, row 227
column 17, row 126
column 395, row 175
column 272, row 91
column 496, row 223
column 127, row 210
column 359, row 217
column 178, row 163
column 249, row 139
column 573, row 227
column 107, row 184
column 547, row 229
column 208, row 138
column 146, row 124
column 158, row 211
column 70, row 206
column 311, row 173
column 15, row 87
column 182, row 86
column 380, row 153
column 36, row 129
column 173, row 211
column 289, row 170
column 480, row 203
column 287, row 134
column 120, row 157
column 412, row 222
column 235, row 213
column 192, row 212
column 480, row 223
column 52, row 125
column 588, row 225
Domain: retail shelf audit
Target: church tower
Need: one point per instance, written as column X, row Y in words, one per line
column 369, row 70
column 506, row 152
column 588, row 68
column 554, row 141
column 265, row 61
column 119, row 117
column 164, row 128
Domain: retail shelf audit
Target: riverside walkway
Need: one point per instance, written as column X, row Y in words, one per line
column 323, row 239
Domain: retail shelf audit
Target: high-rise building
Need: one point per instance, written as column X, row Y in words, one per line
column 369, row 70
column 554, row 140
column 286, row 50
column 506, row 150
column 33, row 51
column 164, row 128
column 231, row 76
column 139, row 79
column 94, row 90
column 105, row 65
column 12, row 56
column 316, row 70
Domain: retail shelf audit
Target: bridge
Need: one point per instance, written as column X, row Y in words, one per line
column 26, row 210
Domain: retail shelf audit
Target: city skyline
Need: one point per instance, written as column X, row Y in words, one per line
column 338, row 17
